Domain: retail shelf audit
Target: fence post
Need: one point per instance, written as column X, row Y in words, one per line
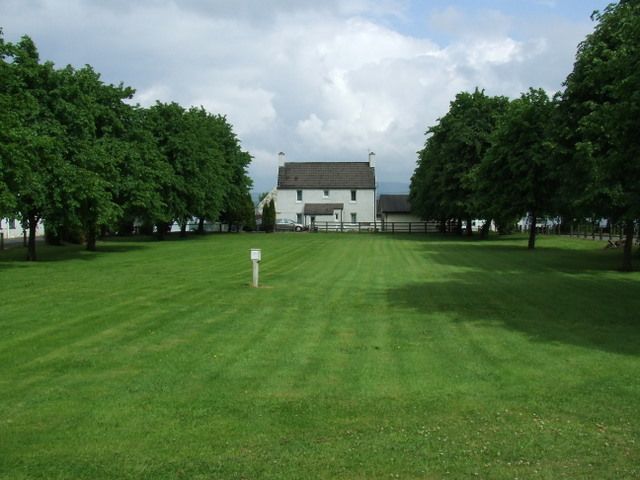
column 409, row 227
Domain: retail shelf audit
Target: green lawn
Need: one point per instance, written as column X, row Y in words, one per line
column 362, row 356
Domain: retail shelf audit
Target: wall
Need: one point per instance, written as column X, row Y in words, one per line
column 364, row 207
column 17, row 232
column 400, row 217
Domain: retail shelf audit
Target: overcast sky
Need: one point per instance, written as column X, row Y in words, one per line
column 317, row 79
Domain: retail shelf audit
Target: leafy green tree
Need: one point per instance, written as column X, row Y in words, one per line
column 601, row 107
column 517, row 174
column 93, row 115
column 7, row 200
column 31, row 138
column 236, row 181
column 210, row 182
column 442, row 185
column 167, row 125
column 142, row 171
column 269, row 216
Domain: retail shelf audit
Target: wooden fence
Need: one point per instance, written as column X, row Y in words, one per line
column 379, row 227
column 596, row 232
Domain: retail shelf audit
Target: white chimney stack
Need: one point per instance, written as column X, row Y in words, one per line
column 372, row 159
column 281, row 159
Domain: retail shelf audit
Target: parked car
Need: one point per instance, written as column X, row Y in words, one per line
column 286, row 224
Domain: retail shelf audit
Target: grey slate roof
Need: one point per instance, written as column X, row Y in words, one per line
column 394, row 204
column 326, row 175
column 322, row 208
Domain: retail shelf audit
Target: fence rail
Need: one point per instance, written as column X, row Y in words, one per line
column 380, row 227
column 597, row 232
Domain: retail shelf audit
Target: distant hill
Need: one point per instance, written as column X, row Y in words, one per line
column 386, row 188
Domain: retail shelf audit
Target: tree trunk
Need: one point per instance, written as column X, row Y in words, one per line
column 201, row 226
column 459, row 226
column 532, row 232
column 469, row 232
column 31, row 243
column 91, row 234
column 627, row 265
column 183, row 229
column 484, row 231
column 161, row 228
column 443, row 226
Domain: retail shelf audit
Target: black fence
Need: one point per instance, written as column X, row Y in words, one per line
column 598, row 232
column 379, row 227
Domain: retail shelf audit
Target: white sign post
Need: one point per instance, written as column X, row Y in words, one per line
column 256, row 255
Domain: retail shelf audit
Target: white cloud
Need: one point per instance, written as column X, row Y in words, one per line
column 319, row 80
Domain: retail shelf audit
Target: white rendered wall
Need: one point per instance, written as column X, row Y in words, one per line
column 287, row 205
column 18, row 231
column 401, row 217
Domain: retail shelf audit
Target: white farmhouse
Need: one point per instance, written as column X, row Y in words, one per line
column 309, row 192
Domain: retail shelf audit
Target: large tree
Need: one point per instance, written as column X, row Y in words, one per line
column 517, row 174
column 441, row 186
column 94, row 119
column 31, row 138
column 601, row 105
column 7, row 200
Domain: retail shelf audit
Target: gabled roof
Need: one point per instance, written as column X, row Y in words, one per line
column 326, row 175
column 322, row 208
column 394, row 204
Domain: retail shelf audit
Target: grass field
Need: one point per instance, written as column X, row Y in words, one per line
column 361, row 356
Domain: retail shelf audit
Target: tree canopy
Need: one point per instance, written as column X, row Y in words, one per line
column 517, row 174
column 575, row 155
column 77, row 156
column 601, row 104
column 441, row 186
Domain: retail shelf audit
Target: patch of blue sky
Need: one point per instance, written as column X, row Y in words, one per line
column 443, row 21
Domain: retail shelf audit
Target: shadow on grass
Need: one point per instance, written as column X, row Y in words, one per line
column 557, row 254
column 16, row 255
column 551, row 294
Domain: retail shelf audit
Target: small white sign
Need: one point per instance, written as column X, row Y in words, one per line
column 256, row 254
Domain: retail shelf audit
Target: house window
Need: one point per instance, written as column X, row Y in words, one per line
column 298, row 195
column 12, row 224
column 325, row 194
column 354, row 218
column 353, row 195
column 337, row 218
column 298, row 218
